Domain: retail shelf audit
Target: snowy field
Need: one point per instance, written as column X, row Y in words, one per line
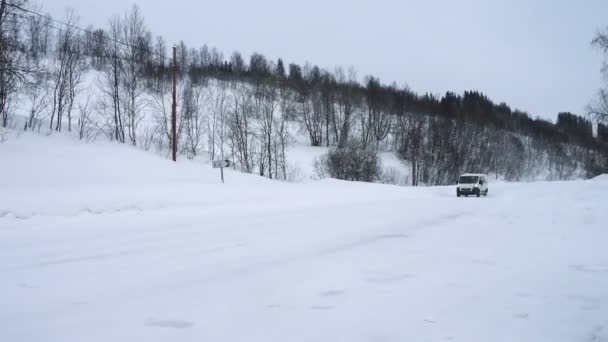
column 100, row 242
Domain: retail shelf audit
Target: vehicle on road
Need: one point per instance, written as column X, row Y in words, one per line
column 474, row 184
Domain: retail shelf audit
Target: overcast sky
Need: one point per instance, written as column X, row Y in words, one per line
column 534, row 55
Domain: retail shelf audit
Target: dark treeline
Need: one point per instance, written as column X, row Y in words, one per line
column 602, row 133
column 439, row 136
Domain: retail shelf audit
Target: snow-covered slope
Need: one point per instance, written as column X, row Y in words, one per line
column 101, row 242
column 301, row 158
column 602, row 178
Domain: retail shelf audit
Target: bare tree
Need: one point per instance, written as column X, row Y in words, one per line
column 216, row 123
column 240, row 130
column 376, row 125
column 76, row 69
column 346, row 102
column 37, row 36
column 98, row 48
column 287, row 110
column 110, row 82
column 309, row 104
column 12, row 67
column 161, row 109
column 411, row 129
column 328, row 99
column 193, row 118
column 598, row 110
column 267, row 102
column 38, row 95
column 67, row 52
column 161, row 72
column 237, row 62
column 88, row 128
column 134, row 37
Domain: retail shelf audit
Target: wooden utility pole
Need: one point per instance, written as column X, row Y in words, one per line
column 174, row 107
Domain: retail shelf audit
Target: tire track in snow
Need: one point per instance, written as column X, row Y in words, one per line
column 284, row 261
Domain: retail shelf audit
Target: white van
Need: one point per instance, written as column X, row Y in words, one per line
column 472, row 184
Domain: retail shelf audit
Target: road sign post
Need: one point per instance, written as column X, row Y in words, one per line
column 221, row 164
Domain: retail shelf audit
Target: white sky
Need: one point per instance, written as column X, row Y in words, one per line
column 534, row 55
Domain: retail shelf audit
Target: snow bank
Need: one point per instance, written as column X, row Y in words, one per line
column 58, row 175
column 601, row 178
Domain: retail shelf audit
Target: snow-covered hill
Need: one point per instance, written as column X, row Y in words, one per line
column 103, row 242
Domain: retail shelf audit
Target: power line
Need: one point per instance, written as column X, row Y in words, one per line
column 104, row 54
column 113, row 40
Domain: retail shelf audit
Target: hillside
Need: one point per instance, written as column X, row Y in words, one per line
column 102, row 241
column 115, row 83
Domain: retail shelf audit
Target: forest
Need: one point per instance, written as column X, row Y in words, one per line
column 114, row 83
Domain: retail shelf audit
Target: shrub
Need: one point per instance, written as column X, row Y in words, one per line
column 352, row 163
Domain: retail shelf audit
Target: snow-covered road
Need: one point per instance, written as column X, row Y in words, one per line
column 528, row 263
column 326, row 261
